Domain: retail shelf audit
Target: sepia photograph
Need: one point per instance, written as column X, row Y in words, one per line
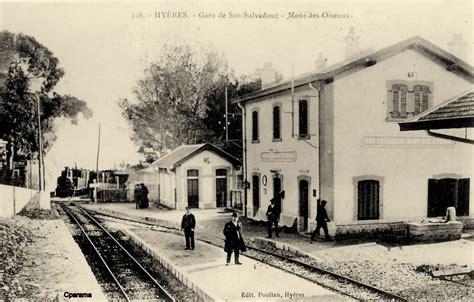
column 236, row 150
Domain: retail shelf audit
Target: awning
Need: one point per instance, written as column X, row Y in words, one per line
column 457, row 112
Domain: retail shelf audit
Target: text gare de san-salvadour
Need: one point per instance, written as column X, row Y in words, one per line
column 250, row 15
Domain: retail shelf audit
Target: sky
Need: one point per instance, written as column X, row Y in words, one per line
column 104, row 48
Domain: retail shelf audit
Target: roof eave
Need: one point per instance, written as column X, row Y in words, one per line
column 453, row 63
column 464, row 122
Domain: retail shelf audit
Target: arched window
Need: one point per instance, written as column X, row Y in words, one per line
column 255, row 126
column 368, row 199
column 303, row 118
column 276, row 123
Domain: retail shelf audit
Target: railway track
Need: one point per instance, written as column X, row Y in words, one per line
column 131, row 278
column 344, row 285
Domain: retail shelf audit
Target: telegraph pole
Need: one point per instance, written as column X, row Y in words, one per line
column 40, row 148
column 96, row 188
column 226, row 118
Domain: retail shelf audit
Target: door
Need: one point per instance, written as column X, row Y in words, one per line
column 303, row 185
column 221, row 187
column 368, row 199
column 276, row 191
column 448, row 192
column 193, row 188
column 255, row 193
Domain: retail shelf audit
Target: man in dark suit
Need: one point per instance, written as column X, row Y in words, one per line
column 234, row 242
column 322, row 220
column 188, row 223
column 273, row 215
column 144, row 196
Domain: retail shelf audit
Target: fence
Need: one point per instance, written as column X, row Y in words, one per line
column 114, row 195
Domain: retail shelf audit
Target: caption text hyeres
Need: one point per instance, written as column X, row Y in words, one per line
column 285, row 295
column 297, row 15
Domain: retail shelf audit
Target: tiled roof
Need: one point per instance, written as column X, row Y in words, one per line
column 459, row 107
column 457, row 112
column 170, row 159
column 416, row 43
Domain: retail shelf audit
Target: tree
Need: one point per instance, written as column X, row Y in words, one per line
column 171, row 102
column 181, row 100
column 25, row 62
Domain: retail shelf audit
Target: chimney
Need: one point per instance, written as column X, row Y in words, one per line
column 268, row 75
column 320, row 62
column 458, row 46
column 352, row 44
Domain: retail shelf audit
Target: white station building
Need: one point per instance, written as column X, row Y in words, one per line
column 334, row 134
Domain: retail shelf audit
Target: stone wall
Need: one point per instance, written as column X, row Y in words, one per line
column 13, row 199
column 366, row 230
column 435, row 231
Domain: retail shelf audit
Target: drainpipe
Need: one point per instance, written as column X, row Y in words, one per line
column 318, row 89
column 451, row 137
column 244, row 146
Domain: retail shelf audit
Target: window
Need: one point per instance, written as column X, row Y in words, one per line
column 399, row 100
column 303, row 118
column 406, row 99
column 276, row 123
column 421, row 98
column 368, row 199
column 255, row 126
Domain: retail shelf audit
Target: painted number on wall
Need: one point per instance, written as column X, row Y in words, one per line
column 411, row 74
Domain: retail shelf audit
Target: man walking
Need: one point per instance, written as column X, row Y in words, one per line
column 144, row 196
column 234, row 242
column 273, row 215
column 137, row 196
column 321, row 222
column 188, row 223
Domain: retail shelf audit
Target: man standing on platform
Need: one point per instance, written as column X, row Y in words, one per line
column 144, row 196
column 188, row 223
column 273, row 215
column 322, row 220
column 234, row 242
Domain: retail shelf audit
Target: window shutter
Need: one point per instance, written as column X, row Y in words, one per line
column 255, row 126
column 303, row 118
column 276, row 122
column 395, row 97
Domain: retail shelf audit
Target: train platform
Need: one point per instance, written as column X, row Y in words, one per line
column 204, row 270
column 53, row 266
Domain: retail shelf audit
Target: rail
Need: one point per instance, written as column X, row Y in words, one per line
column 167, row 296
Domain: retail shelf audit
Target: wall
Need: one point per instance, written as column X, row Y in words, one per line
column 166, row 184
column 360, row 106
column 14, row 199
column 292, row 156
column 206, row 162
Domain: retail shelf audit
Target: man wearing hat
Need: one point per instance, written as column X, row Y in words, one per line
column 187, row 224
column 322, row 220
column 273, row 215
column 234, row 242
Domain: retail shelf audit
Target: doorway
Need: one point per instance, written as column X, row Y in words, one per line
column 277, row 190
column 193, row 188
column 221, row 187
column 448, row 192
column 303, row 204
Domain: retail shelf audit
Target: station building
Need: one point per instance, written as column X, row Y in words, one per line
column 334, row 134
column 196, row 176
